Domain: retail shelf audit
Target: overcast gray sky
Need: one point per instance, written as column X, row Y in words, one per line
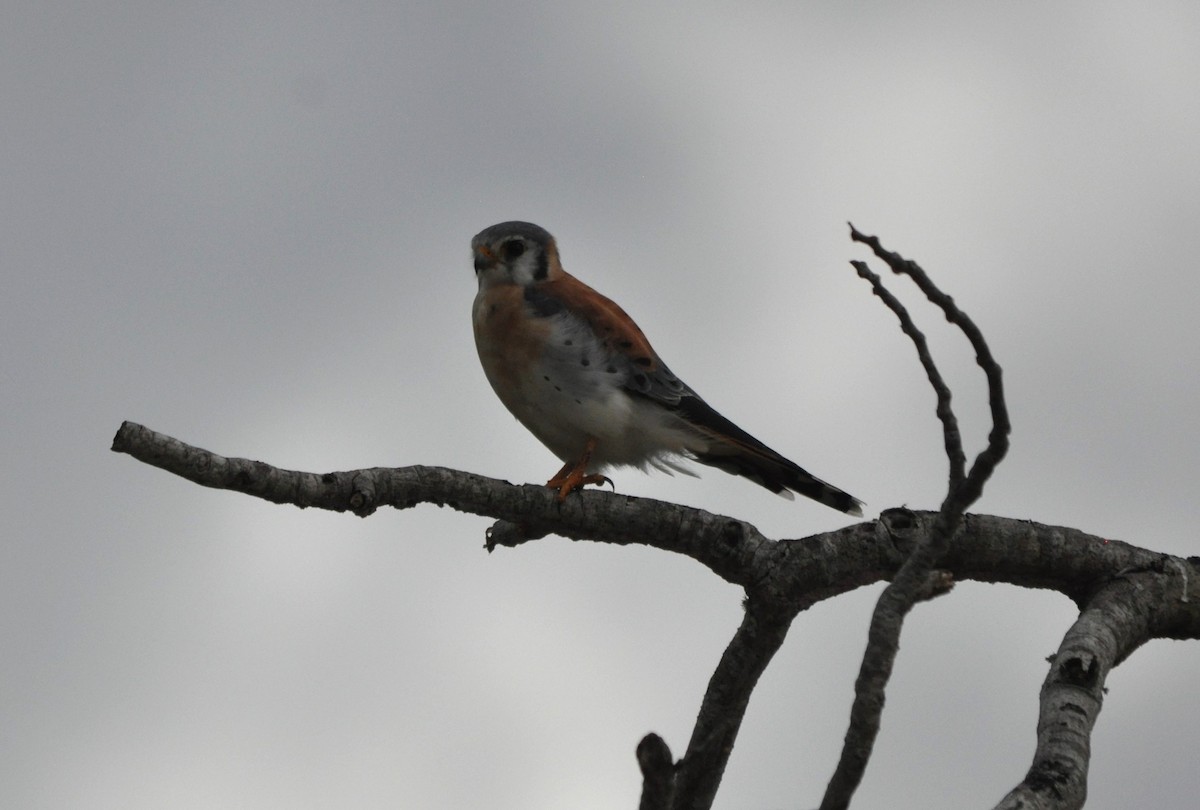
column 247, row 225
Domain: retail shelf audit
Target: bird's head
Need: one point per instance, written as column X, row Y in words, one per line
column 514, row 253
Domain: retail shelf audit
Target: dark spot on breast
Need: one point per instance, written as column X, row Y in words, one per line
column 577, row 402
column 546, row 377
column 625, row 344
column 611, row 369
column 568, row 343
column 585, row 362
column 644, row 362
column 556, row 388
column 640, row 380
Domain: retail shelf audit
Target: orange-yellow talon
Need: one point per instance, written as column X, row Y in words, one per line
column 574, row 475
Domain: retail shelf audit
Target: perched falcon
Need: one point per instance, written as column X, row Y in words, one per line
column 581, row 376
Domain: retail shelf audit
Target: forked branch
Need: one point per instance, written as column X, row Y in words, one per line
column 905, row 589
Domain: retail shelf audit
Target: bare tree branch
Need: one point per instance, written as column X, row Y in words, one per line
column 724, row 544
column 789, row 575
column 1123, row 615
column 898, row 598
column 796, row 573
column 755, row 643
column 658, row 773
column 883, row 643
column 959, row 498
column 1127, row 595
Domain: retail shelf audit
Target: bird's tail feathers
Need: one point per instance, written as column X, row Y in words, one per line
column 735, row 451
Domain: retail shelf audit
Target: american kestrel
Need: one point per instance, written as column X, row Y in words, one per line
column 581, row 376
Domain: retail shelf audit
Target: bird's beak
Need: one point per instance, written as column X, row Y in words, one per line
column 484, row 259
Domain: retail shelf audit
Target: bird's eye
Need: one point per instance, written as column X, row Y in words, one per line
column 512, row 249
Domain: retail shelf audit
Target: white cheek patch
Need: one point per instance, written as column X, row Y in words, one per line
column 525, row 269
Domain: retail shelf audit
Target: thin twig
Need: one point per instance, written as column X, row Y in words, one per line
column 945, row 413
column 905, row 589
column 959, row 498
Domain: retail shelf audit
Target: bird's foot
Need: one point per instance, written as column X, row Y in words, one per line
column 576, row 479
column 574, row 475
